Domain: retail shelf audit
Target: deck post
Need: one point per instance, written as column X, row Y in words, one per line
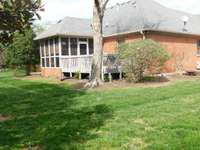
column 110, row 77
column 60, row 50
column 40, row 54
column 80, row 76
column 70, row 74
column 90, row 75
column 120, row 75
column 102, row 73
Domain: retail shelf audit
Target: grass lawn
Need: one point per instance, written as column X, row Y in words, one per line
column 50, row 116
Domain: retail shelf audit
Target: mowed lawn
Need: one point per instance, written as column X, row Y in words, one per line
column 47, row 116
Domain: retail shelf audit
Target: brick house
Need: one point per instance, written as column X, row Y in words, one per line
column 67, row 46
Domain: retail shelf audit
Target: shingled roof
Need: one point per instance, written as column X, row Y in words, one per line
column 68, row 26
column 129, row 17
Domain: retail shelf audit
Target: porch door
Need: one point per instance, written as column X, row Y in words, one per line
column 83, row 47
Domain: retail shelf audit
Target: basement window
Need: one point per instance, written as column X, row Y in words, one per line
column 120, row 41
column 198, row 47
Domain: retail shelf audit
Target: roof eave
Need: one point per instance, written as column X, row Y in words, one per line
column 71, row 35
column 139, row 31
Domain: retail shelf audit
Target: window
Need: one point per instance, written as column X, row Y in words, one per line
column 56, row 47
column 91, row 46
column 83, row 49
column 73, row 46
column 65, row 46
column 198, row 47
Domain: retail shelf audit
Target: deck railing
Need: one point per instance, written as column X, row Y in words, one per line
column 83, row 64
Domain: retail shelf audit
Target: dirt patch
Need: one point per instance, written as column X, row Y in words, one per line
column 115, row 84
column 4, row 118
column 136, row 144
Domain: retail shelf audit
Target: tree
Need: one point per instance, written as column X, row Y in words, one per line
column 140, row 56
column 98, row 14
column 17, row 15
column 1, row 55
column 22, row 52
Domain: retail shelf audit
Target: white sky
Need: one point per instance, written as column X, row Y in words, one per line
column 58, row 9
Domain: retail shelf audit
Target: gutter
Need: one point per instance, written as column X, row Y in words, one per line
column 154, row 30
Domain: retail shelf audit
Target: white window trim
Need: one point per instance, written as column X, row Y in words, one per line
column 86, row 43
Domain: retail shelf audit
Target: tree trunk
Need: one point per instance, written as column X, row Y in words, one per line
column 96, row 71
column 28, row 69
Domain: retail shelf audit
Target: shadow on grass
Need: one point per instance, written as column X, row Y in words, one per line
column 46, row 115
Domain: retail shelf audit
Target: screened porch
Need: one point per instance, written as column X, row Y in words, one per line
column 72, row 55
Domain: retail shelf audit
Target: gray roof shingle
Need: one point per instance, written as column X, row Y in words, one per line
column 68, row 26
column 131, row 16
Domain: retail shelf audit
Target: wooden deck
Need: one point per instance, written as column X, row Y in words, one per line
column 83, row 64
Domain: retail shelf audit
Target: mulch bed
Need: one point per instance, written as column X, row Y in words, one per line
column 4, row 118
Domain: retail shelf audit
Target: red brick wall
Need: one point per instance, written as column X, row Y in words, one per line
column 183, row 49
column 110, row 43
column 51, row 72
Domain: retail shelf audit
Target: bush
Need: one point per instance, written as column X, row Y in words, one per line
column 140, row 56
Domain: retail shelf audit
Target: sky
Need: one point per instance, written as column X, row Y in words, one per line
column 58, row 9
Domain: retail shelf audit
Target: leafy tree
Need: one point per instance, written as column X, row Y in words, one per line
column 22, row 52
column 140, row 56
column 17, row 15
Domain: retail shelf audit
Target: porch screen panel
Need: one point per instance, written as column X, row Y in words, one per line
column 91, row 46
column 82, row 39
column 51, row 47
column 73, row 46
column 42, row 49
column 57, row 62
column 52, row 62
column 83, row 49
column 47, row 62
column 56, row 47
column 65, row 46
column 47, row 48
column 43, row 62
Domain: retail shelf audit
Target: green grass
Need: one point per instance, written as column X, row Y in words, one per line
column 57, row 117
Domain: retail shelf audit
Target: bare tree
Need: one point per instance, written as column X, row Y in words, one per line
column 98, row 14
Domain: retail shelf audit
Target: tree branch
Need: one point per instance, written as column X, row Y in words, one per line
column 105, row 4
column 98, row 5
column 103, row 7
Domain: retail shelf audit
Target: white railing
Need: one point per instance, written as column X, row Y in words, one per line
column 83, row 64
column 80, row 64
